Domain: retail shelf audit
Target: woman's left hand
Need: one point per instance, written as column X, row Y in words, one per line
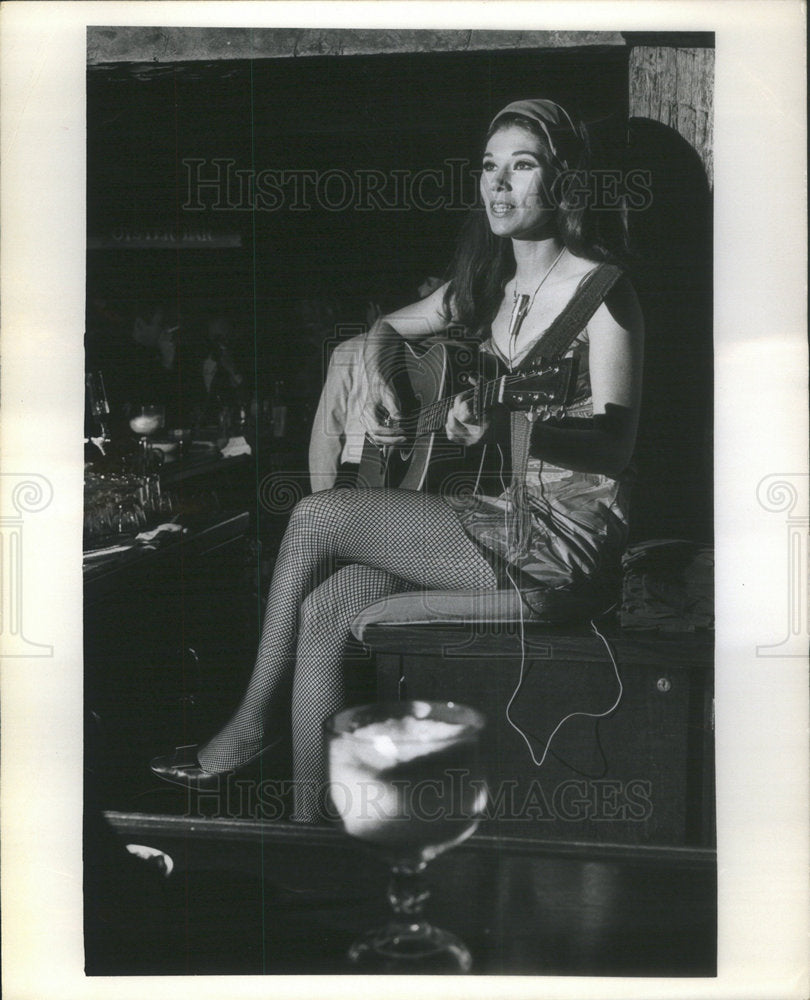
column 462, row 426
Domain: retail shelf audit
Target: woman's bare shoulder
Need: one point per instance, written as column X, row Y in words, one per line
column 620, row 310
column 423, row 318
column 579, row 267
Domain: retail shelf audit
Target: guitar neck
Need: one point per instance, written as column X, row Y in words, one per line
column 434, row 416
column 538, row 388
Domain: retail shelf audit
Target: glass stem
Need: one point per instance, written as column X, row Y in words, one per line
column 407, row 891
column 144, row 455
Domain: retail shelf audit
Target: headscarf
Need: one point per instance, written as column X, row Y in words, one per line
column 563, row 138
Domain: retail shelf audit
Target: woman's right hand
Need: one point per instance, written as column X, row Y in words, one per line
column 381, row 413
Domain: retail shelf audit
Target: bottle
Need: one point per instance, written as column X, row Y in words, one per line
column 279, row 409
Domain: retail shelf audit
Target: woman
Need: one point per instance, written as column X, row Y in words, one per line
column 527, row 242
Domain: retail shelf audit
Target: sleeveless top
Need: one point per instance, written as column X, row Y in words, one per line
column 578, row 521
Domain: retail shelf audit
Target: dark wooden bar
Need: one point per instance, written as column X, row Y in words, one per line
column 290, row 900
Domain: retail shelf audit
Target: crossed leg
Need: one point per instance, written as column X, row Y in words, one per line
column 394, row 540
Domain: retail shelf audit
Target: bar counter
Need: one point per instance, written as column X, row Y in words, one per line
column 252, row 897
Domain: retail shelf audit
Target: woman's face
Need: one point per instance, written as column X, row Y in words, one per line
column 516, row 184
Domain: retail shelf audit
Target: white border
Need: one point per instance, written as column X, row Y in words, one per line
column 761, row 424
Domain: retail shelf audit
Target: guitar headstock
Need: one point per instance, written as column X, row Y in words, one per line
column 547, row 384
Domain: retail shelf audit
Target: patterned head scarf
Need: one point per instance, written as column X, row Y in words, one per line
column 563, row 138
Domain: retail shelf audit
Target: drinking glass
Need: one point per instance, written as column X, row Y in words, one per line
column 146, row 421
column 406, row 781
column 97, row 397
column 130, row 517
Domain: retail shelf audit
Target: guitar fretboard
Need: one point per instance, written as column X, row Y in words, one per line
column 434, row 416
column 518, row 390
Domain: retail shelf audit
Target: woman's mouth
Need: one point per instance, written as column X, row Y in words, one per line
column 501, row 208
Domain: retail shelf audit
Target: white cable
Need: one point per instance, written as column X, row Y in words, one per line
column 522, row 622
column 519, row 685
column 571, row 715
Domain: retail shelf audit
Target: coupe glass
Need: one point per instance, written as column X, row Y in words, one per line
column 145, row 422
column 405, row 780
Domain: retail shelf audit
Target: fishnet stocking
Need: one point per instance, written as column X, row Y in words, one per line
column 395, row 540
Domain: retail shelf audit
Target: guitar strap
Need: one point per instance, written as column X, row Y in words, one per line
column 551, row 346
column 575, row 316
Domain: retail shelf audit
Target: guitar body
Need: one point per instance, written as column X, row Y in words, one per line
column 429, row 372
column 427, row 377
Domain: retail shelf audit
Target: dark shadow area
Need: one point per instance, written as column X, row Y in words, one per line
column 329, row 182
column 671, row 266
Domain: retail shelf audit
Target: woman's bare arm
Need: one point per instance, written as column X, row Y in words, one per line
column 602, row 445
column 415, row 322
column 605, row 444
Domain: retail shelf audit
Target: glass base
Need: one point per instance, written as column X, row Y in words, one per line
column 402, row 949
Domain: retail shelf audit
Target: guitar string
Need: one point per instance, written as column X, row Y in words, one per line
column 422, row 420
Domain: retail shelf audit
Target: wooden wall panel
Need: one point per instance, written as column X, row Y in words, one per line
column 674, row 86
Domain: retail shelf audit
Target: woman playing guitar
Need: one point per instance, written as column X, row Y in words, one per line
column 526, row 258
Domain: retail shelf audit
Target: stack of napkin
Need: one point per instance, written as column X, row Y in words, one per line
column 236, row 446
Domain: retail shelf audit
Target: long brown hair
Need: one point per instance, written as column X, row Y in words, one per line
column 483, row 262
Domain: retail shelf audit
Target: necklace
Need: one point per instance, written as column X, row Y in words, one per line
column 522, row 304
column 515, row 295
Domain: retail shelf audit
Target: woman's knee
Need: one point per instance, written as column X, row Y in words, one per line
column 327, row 507
column 321, row 609
column 307, row 507
column 334, row 603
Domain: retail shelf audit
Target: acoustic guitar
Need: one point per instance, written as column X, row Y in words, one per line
column 426, row 381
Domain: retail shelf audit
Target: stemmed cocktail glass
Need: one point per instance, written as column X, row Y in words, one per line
column 406, row 780
column 146, row 421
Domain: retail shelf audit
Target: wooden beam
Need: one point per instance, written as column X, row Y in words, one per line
column 671, row 39
column 675, row 87
column 106, row 45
